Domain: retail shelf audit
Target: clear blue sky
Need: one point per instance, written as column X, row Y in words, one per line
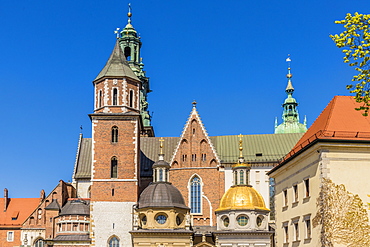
column 227, row 55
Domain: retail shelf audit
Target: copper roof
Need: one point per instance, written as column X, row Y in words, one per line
column 76, row 207
column 117, row 66
column 163, row 195
column 258, row 148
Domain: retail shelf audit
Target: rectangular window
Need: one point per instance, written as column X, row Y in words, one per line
column 296, row 231
column 295, row 191
column 10, row 236
column 285, row 192
column 100, row 97
column 307, row 187
column 308, row 228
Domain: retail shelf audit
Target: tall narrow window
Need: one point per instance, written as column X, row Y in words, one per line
column 160, row 175
column 195, row 195
column 131, row 100
column 285, row 192
column 115, row 96
column 235, row 177
column 308, row 228
column 100, row 97
column 286, row 233
column 204, row 157
column 295, row 191
column 307, row 187
column 113, row 172
column 241, row 177
column 296, row 231
column 114, row 134
column 114, row 242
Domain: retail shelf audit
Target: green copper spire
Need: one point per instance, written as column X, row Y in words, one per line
column 291, row 122
column 130, row 43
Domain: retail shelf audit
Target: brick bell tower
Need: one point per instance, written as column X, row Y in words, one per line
column 116, row 128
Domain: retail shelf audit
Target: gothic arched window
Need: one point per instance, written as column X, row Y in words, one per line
column 115, row 96
column 39, row 243
column 127, row 52
column 113, row 167
column 195, row 195
column 114, row 134
column 114, row 242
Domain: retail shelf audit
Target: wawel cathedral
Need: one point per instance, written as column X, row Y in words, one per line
column 131, row 188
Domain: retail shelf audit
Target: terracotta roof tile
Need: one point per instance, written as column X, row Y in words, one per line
column 17, row 211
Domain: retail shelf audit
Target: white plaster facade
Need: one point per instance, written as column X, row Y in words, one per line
column 111, row 219
column 341, row 162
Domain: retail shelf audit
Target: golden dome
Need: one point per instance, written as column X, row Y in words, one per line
column 242, row 197
column 241, row 165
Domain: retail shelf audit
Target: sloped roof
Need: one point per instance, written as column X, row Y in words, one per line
column 161, row 194
column 83, row 159
column 18, row 208
column 338, row 121
column 76, row 206
column 257, row 148
column 117, row 66
column 79, row 237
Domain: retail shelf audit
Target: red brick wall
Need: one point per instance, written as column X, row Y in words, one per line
column 125, row 150
column 194, row 145
column 4, row 235
column 130, row 85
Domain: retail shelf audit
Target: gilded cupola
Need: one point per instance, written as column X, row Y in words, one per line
column 242, row 207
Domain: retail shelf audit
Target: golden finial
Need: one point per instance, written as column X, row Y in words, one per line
column 240, row 146
column 194, row 103
column 161, row 145
column 129, row 14
column 289, row 75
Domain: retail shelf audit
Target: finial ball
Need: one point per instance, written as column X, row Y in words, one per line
column 289, row 76
column 129, row 14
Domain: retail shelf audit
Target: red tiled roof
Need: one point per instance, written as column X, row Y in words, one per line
column 17, row 211
column 338, row 121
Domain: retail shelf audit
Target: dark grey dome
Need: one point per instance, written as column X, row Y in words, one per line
column 76, row 207
column 161, row 194
column 161, row 163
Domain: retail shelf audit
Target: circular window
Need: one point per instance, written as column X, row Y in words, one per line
column 144, row 220
column 242, row 220
column 179, row 219
column 226, row 221
column 161, row 219
column 259, row 220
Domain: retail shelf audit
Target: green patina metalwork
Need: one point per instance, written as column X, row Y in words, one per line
column 290, row 116
column 130, row 43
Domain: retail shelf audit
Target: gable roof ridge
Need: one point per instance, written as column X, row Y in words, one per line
column 38, row 205
column 207, row 136
column 181, row 137
column 194, row 112
column 77, row 157
column 332, row 106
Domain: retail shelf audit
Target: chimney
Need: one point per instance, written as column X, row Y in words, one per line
column 42, row 195
column 5, row 199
